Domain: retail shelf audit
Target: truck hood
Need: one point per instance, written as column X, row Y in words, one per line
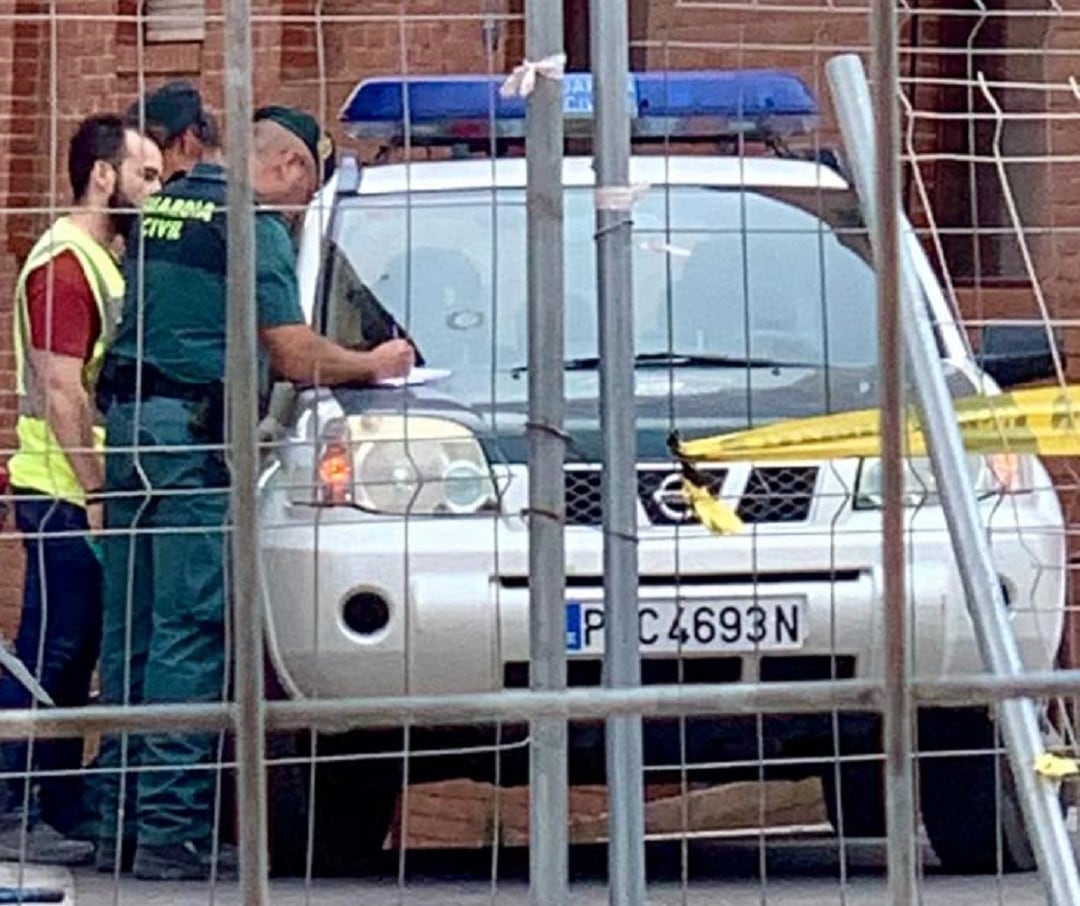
column 694, row 401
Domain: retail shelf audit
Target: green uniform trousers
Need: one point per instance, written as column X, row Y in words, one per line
column 164, row 635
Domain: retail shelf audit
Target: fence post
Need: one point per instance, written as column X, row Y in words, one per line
column 610, row 41
column 982, row 591
column 548, row 817
column 897, row 716
column 242, row 389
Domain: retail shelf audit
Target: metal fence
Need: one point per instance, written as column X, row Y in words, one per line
column 402, row 636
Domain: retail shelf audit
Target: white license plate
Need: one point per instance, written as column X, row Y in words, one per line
column 735, row 624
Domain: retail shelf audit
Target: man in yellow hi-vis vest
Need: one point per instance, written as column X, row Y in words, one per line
column 66, row 303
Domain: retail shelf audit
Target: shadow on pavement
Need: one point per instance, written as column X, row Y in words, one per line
column 665, row 861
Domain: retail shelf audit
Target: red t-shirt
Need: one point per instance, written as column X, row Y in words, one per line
column 62, row 312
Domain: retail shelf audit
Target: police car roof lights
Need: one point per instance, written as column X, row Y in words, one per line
column 716, row 104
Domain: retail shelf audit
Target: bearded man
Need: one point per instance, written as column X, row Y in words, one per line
column 67, row 302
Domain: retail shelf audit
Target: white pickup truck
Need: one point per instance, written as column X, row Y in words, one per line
column 395, row 540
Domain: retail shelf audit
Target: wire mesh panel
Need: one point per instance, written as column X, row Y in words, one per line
column 396, row 586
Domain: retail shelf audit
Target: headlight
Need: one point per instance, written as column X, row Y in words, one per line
column 399, row 465
column 994, row 474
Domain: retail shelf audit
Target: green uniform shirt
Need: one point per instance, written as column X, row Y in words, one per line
column 176, row 288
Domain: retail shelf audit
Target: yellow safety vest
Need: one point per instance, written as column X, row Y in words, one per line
column 41, row 463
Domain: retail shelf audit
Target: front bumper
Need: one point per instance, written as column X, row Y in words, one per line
column 457, row 592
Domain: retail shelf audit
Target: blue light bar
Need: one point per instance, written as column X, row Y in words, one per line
column 689, row 104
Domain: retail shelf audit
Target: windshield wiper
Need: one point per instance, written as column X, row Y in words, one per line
column 676, row 360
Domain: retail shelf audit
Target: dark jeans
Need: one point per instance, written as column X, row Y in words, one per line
column 58, row 640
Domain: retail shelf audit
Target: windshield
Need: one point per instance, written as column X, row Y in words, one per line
column 731, row 275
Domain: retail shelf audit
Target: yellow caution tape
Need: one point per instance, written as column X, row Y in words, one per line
column 1044, row 421
column 1056, row 767
column 714, row 514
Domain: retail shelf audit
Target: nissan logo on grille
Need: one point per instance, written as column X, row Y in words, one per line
column 670, row 500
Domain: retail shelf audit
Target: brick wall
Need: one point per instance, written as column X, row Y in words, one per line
column 1059, row 269
column 1061, row 262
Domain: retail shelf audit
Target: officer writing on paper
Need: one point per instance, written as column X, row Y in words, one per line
column 66, row 301
column 170, row 512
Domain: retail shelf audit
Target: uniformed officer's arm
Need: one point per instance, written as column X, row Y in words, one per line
column 66, row 407
column 299, row 354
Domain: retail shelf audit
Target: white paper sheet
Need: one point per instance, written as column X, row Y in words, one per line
column 416, row 376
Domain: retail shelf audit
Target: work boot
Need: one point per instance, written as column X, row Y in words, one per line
column 105, row 856
column 40, row 842
column 183, row 862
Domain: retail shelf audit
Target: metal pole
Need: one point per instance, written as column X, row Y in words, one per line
column 897, row 717
column 339, row 715
column 548, row 815
column 242, row 384
column 985, row 601
column 609, row 41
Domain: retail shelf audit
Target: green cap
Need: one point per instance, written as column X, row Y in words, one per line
column 173, row 108
column 305, row 128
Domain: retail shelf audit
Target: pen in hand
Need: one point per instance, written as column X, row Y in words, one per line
column 396, row 333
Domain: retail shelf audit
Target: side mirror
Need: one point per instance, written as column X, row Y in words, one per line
column 1015, row 354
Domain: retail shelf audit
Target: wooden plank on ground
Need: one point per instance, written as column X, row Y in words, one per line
column 466, row 814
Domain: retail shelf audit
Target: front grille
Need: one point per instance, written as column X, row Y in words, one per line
column 583, row 500
column 773, row 668
column 778, row 494
column 654, row 671
column 772, row 494
column 805, row 668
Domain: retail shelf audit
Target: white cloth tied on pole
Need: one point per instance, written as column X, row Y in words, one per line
column 522, row 81
column 619, row 198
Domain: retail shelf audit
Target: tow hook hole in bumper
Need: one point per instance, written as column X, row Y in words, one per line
column 366, row 613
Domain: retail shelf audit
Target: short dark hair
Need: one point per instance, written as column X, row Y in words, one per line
column 155, row 133
column 172, row 110
column 99, row 137
column 205, row 130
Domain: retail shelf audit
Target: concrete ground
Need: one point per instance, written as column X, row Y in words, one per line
column 801, row 871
